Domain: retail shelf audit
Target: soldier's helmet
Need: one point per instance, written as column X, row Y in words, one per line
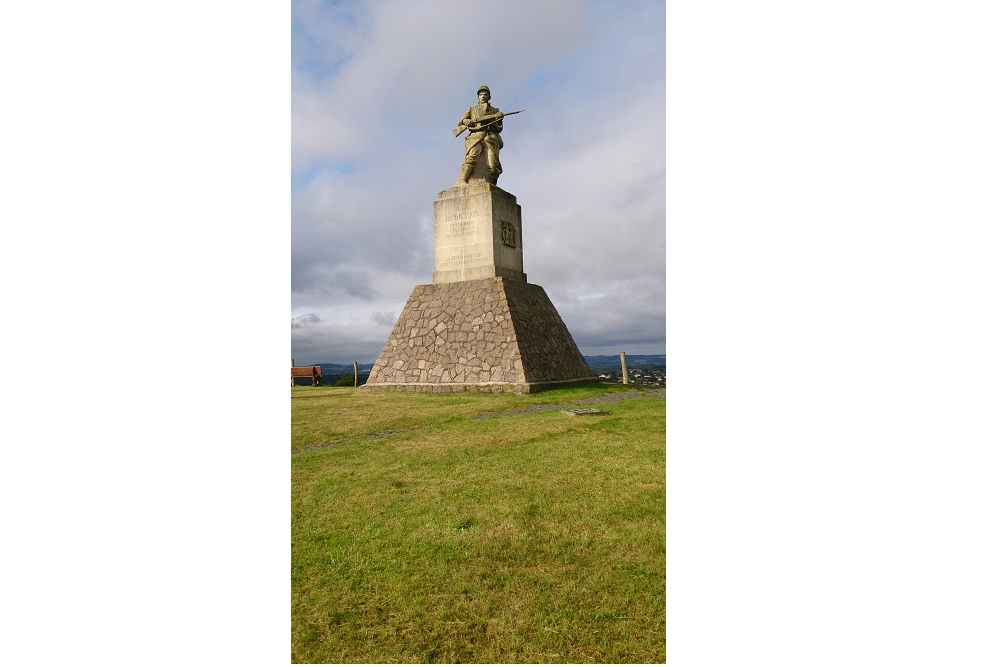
column 481, row 89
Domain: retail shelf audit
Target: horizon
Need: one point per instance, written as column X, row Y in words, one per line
column 351, row 362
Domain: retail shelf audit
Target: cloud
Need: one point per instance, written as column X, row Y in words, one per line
column 386, row 319
column 370, row 75
column 345, row 333
column 305, row 320
column 377, row 88
column 628, row 315
column 327, row 279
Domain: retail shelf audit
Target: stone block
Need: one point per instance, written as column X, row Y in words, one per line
column 477, row 234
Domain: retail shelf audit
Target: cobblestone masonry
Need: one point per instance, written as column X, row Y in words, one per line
column 492, row 335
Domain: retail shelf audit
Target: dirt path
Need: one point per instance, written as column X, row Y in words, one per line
column 605, row 398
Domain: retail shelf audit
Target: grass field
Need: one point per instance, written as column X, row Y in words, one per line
column 453, row 535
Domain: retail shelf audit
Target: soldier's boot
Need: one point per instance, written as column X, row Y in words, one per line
column 494, row 170
column 463, row 178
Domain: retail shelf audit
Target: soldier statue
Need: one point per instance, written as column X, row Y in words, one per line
column 485, row 123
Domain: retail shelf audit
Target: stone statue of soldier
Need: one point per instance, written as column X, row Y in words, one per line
column 481, row 135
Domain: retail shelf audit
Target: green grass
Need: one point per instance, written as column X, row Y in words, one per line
column 534, row 537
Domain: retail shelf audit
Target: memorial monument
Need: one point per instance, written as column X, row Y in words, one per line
column 479, row 325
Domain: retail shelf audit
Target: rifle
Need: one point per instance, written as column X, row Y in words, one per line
column 486, row 119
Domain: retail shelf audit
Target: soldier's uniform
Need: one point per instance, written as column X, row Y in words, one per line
column 489, row 137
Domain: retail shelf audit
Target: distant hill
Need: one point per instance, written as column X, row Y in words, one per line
column 333, row 372
column 600, row 363
column 639, row 359
column 613, row 362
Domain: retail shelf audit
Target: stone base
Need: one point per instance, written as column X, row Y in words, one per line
column 494, row 335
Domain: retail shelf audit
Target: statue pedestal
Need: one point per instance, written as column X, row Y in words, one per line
column 479, row 326
column 477, row 234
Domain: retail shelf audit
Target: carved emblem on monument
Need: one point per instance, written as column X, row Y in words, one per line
column 507, row 234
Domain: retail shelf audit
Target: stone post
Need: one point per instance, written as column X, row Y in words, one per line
column 624, row 370
column 355, row 374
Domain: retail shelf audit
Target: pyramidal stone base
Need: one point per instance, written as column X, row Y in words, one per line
column 494, row 335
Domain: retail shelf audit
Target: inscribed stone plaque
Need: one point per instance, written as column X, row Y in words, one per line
column 476, row 227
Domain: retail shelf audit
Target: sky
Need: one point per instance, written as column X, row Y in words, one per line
column 377, row 88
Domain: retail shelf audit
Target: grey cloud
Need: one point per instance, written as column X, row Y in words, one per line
column 337, row 342
column 628, row 313
column 358, row 219
column 597, row 225
column 386, row 319
column 305, row 320
column 327, row 293
column 323, row 281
